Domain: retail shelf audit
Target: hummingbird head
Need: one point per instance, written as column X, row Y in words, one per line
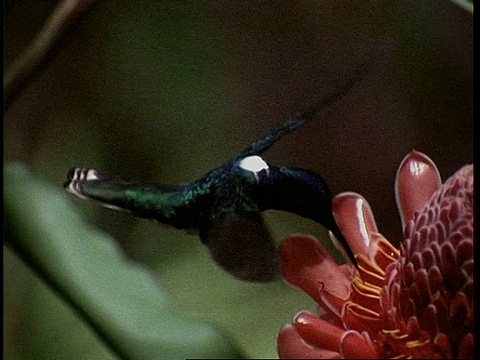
column 298, row 191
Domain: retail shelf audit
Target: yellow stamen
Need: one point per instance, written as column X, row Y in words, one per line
column 362, row 312
column 416, row 343
column 368, row 267
column 395, row 334
column 366, row 289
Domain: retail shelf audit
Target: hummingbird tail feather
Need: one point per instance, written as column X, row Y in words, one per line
column 162, row 203
column 77, row 177
column 90, row 184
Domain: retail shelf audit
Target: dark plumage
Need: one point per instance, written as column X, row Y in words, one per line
column 225, row 205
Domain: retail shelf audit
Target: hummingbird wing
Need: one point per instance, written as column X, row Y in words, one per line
column 238, row 239
column 263, row 144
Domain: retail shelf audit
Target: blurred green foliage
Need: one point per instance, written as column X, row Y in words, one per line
column 166, row 91
column 121, row 301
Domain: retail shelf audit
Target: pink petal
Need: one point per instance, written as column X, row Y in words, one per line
column 355, row 219
column 416, row 180
column 358, row 346
column 318, row 332
column 306, row 264
column 466, row 347
column 290, row 345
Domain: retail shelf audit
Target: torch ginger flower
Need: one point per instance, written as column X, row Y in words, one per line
column 412, row 302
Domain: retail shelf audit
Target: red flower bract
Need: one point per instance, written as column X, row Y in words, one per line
column 412, row 302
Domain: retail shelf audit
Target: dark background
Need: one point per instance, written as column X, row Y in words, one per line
column 166, row 91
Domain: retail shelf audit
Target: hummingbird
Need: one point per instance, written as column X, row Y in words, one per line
column 225, row 205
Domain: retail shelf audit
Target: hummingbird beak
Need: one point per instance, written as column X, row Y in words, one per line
column 341, row 244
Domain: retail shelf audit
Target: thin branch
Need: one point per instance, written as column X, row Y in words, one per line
column 34, row 57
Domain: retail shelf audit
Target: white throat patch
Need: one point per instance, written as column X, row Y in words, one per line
column 254, row 164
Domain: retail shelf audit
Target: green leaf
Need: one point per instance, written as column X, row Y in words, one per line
column 465, row 5
column 119, row 299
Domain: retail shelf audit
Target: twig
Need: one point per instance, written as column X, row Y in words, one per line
column 34, row 57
